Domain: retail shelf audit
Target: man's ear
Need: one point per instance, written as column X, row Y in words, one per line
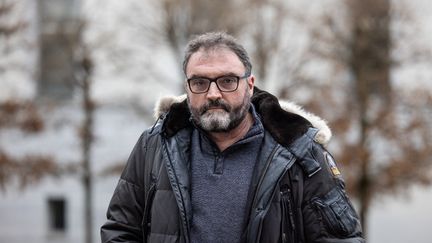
column 251, row 84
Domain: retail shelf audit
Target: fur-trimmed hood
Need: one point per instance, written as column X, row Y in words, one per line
column 285, row 120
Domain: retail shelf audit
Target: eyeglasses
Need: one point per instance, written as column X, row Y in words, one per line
column 227, row 83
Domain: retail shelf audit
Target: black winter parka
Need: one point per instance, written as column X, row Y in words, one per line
column 296, row 194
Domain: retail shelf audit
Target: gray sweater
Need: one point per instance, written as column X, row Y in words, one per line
column 220, row 185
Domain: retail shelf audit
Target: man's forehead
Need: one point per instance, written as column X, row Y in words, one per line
column 217, row 58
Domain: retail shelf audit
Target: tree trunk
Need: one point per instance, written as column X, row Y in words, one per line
column 364, row 185
column 370, row 65
column 87, row 139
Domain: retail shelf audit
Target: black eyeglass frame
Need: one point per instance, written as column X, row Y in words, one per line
column 214, row 80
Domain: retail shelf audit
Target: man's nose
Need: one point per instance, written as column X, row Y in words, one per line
column 213, row 92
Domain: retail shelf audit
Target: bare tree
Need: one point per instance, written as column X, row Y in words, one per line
column 260, row 23
column 30, row 168
column 185, row 18
column 19, row 114
column 84, row 68
column 266, row 33
column 383, row 133
column 10, row 29
column 70, row 36
column 25, row 116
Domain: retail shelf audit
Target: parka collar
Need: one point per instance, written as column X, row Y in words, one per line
column 284, row 120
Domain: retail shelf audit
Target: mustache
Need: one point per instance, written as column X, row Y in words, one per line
column 211, row 104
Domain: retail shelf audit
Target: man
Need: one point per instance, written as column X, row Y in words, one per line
column 229, row 164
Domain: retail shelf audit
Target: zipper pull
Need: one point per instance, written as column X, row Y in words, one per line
column 287, row 214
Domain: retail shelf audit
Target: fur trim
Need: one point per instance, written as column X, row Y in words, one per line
column 324, row 133
column 164, row 104
column 272, row 111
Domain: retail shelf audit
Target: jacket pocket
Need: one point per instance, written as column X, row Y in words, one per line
column 146, row 222
column 287, row 216
column 338, row 215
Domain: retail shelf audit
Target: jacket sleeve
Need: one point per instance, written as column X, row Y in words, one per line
column 328, row 214
column 125, row 211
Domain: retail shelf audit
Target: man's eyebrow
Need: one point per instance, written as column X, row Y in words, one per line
column 196, row 76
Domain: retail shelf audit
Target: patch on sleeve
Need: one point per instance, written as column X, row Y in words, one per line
column 332, row 164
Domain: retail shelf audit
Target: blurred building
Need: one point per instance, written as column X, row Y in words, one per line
column 52, row 211
column 59, row 22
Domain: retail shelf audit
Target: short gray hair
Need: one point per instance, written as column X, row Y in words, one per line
column 212, row 40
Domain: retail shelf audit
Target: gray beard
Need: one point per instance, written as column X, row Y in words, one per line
column 220, row 120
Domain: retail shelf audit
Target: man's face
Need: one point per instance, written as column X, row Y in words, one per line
column 216, row 111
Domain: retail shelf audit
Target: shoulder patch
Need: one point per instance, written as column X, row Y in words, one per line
column 332, row 164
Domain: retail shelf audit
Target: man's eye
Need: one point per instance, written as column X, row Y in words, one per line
column 227, row 80
column 199, row 82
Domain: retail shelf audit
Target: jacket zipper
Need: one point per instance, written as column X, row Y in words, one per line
column 263, row 174
column 288, row 235
column 184, row 222
column 254, row 201
column 147, row 211
column 286, row 197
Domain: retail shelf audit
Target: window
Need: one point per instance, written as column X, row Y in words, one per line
column 57, row 214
